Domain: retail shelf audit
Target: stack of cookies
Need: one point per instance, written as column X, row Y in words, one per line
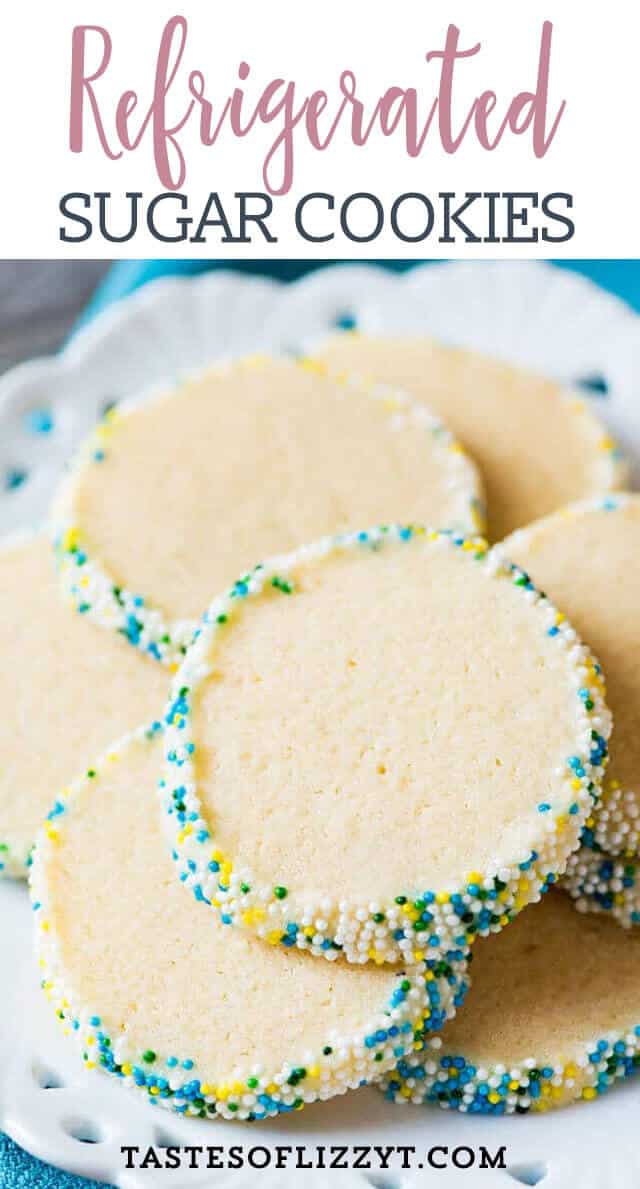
column 293, row 815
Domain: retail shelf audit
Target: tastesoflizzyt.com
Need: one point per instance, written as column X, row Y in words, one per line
column 473, row 217
column 377, row 1157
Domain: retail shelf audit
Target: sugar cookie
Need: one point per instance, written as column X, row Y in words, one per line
column 588, row 559
column 66, row 690
column 199, row 1018
column 537, row 447
column 173, row 497
column 552, row 1017
column 378, row 741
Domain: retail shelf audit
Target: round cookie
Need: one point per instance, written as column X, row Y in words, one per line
column 66, row 690
column 502, row 415
column 173, row 497
column 603, row 884
column 552, row 1017
column 378, row 742
column 588, row 559
column 201, row 1019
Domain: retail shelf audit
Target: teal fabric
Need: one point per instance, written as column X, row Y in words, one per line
column 20, row 1171
column 621, row 277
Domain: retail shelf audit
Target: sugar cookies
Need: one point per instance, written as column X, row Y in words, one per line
column 552, row 1017
column 537, row 448
column 174, row 497
column 587, row 558
column 379, row 744
column 199, row 1018
column 66, row 690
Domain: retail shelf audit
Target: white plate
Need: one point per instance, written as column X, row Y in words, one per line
column 529, row 313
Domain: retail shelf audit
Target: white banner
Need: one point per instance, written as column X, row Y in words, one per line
column 342, row 129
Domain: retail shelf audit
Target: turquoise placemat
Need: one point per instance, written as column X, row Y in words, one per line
column 621, row 277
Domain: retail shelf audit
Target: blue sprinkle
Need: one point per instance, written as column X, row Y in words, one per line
column 39, row 421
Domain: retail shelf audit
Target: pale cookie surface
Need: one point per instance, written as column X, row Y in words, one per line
column 587, row 558
column 537, row 448
column 552, row 1016
column 377, row 742
column 158, row 993
column 174, row 497
column 603, row 883
column 66, row 690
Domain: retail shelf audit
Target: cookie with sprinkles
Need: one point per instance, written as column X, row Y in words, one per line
column 201, row 1019
column 174, row 496
column 588, row 558
column 65, row 691
column 603, row 883
column 501, row 414
column 552, row 1017
column 379, row 742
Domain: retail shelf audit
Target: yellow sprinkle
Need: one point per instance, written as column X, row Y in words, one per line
column 570, row 1071
column 45, row 926
column 576, row 783
column 513, row 1085
column 207, row 1088
column 272, row 1089
column 89, row 1064
column 70, row 539
column 589, row 1092
column 91, row 1040
column 418, row 955
column 154, row 1090
column 222, row 1093
column 255, row 361
column 607, row 444
column 126, row 1069
column 405, row 1092
column 442, row 897
column 475, row 877
column 313, row 1071
column 274, row 938
column 493, row 1097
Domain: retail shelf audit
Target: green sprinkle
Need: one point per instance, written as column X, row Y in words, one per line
column 149, row 1056
column 280, row 892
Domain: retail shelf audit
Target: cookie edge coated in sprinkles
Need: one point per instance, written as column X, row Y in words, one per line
column 435, row 919
column 455, row 1082
column 15, row 850
column 426, row 994
column 614, row 826
column 88, row 586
